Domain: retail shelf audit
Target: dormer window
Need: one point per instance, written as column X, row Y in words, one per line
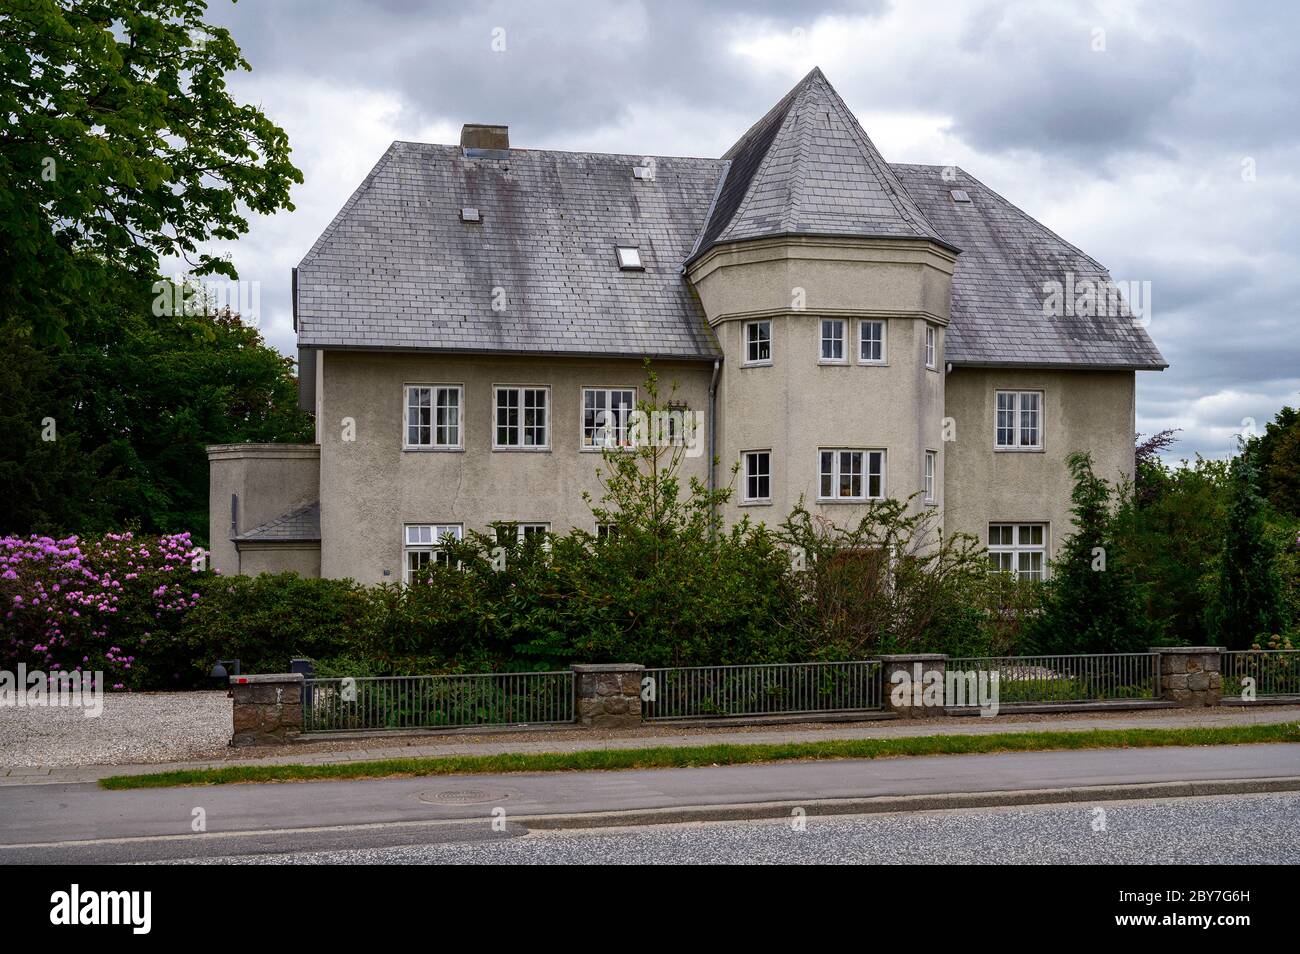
column 629, row 258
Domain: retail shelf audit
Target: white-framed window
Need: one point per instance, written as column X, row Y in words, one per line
column 508, row 531
column 433, row 413
column 421, row 545
column 871, row 342
column 605, row 414
column 931, row 462
column 606, row 531
column 522, row 418
column 1019, row 423
column 758, row 476
column 833, row 341
column 931, row 347
column 1019, row 549
column 758, row 342
column 850, row 474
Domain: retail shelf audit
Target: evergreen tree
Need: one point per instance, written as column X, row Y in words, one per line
column 1247, row 604
column 1093, row 602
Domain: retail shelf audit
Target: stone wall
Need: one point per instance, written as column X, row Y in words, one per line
column 268, row 708
column 608, row 694
column 1190, row 675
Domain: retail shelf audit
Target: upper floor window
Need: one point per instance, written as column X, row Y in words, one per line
column 758, row 342
column 433, row 415
column 522, row 418
column 422, row 545
column 833, row 340
column 758, row 477
column 1019, row 549
column 1019, row 423
column 851, row 474
column 931, row 347
column 871, row 342
column 605, row 414
column 931, row 460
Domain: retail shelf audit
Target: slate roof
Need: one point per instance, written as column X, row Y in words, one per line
column 997, row 288
column 397, row 268
column 302, row 524
column 808, row 168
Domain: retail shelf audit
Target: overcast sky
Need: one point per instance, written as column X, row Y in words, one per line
column 1162, row 138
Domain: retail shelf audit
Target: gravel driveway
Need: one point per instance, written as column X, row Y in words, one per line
column 134, row 727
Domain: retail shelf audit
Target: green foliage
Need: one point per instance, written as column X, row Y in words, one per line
column 133, row 400
column 1247, row 602
column 264, row 621
column 121, row 144
column 1173, row 530
column 892, row 583
column 1277, row 454
column 1093, row 600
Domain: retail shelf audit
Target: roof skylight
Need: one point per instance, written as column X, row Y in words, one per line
column 629, row 258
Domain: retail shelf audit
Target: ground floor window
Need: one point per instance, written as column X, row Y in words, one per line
column 423, row 545
column 1019, row 549
column 519, row 532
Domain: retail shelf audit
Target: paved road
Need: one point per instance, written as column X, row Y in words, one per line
column 84, row 823
column 1255, row 829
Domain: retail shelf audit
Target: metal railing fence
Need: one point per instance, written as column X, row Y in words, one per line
column 445, row 701
column 1098, row 677
column 1276, row 672
column 766, row 689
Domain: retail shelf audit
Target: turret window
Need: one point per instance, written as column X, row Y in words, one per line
column 833, row 341
column 758, row 342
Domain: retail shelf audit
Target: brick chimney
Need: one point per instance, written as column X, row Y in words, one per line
column 478, row 136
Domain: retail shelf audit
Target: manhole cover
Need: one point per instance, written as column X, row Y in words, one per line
column 462, row 796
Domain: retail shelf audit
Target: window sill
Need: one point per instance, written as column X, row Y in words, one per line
column 521, row 450
column 433, row 450
column 872, row 364
column 833, row 362
column 756, row 503
column 756, row 364
column 612, row 447
column 847, row 500
column 1019, row 450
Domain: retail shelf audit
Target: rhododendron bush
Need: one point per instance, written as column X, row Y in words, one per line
column 113, row 604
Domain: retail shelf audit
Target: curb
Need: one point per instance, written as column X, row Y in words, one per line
column 886, row 804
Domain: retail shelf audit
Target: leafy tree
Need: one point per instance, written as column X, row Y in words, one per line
column 121, row 144
column 891, row 583
column 1172, row 529
column 1277, row 454
column 1246, row 604
column 1093, row 600
column 110, row 430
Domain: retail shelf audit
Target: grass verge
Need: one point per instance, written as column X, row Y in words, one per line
column 724, row 754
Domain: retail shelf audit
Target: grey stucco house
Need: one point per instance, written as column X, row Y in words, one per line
column 473, row 322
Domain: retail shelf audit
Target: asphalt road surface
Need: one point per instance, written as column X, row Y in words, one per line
column 1259, row 829
column 82, row 823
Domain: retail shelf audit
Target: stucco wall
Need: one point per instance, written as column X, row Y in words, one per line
column 371, row 487
column 1082, row 411
column 269, row 479
column 796, row 406
column 799, row 405
column 300, row 558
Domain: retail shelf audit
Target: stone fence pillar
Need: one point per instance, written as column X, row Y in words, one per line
column 268, row 708
column 909, row 688
column 1190, row 675
column 608, row 694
